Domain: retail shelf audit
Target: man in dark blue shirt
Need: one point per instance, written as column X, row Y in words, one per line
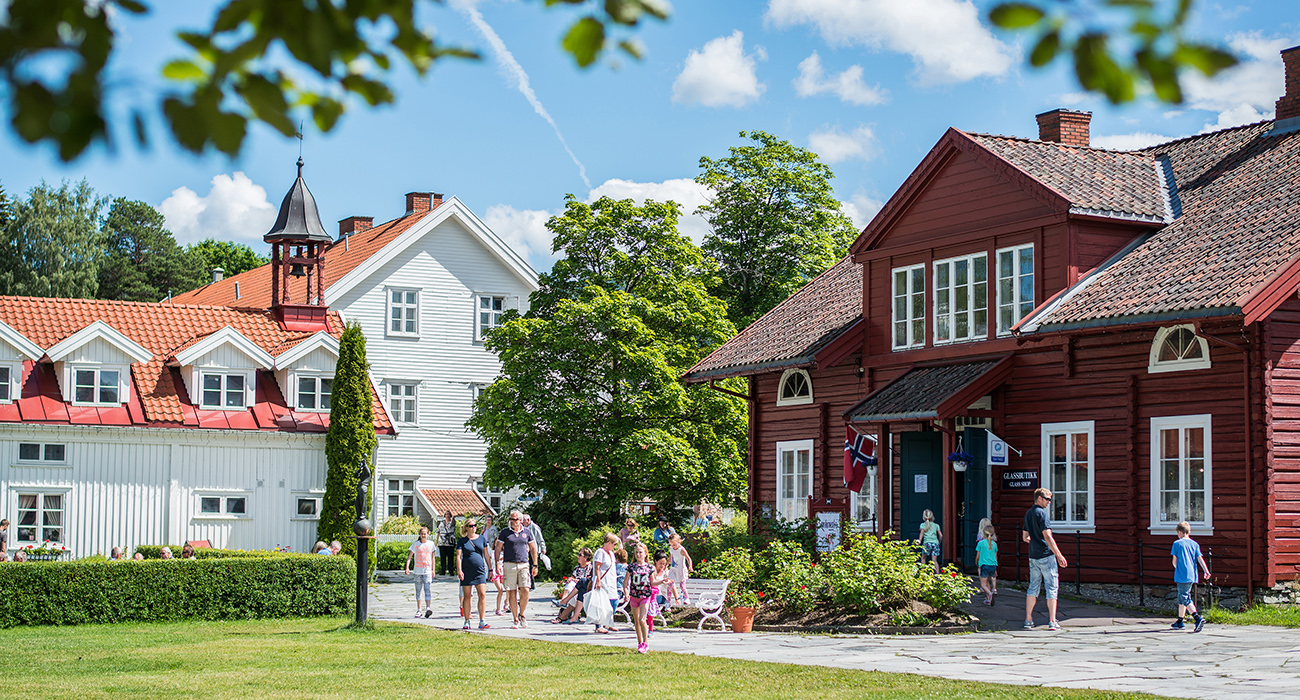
column 1044, row 559
column 517, row 548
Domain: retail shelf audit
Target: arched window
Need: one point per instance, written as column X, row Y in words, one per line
column 795, row 388
column 1178, row 348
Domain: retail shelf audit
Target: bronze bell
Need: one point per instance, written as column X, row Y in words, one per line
column 297, row 270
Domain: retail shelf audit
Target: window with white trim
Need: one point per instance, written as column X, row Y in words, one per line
column 1067, row 454
column 404, row 312
column 793, row 478
column 961, row 299
column 218, row 505
column 9, row 387
column 795, row 388
column 1177, row 349
column 96, row 386
column 314, row 393
column 223, row 392
column 862, row 506
column 402, row 402
column 307, row 507
column 494, row 497
column 1015, row 285
column 490, row 310
column 1180, row 472
column 909, row 307
column 40, row 517
column 42, row 453
column 401, row 497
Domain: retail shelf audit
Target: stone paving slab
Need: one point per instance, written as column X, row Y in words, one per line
column 1103, row 649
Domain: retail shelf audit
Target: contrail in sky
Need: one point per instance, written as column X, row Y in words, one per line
column 516, row 71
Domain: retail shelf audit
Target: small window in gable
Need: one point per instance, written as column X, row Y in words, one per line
column 1177, row 349
column 795, row 388
column 404, row 312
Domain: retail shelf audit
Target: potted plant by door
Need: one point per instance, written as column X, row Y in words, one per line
column 960, row 460
column 744, row 603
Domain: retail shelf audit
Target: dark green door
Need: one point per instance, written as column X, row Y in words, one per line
column 974, row 503
column 922, row 480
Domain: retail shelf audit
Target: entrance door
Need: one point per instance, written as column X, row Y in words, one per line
column 973, row 499
column 922, row 480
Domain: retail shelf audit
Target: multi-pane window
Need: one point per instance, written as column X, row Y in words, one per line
column 793, row 478
column 961, row 303
column 1177, row 349
column 403, row 312
column 1015, row 285
column 1180, row 471
column 49, row 453
column 314, row 393
column 401, row 497
column 223, row 391
column 6, row 376
column 1068, row 472
column 909, row 307
column 401, row 402
column 40, row 517
column 493, row 496
column 795, row 389
column 490, row 309
column 96, row 386
column 863, row 506
column 223, row 505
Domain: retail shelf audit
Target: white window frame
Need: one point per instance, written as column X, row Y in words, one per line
column 1155, row 366
column 123, row 377
column 1017, row 277
column 971, row 309
column 406, row 307
column 317, row 376
column 508, row 303
column 868, row 493
column 317, row 495
column 1048, row 431
column 487, row 494
column 225, row 496
column 798, row 400
column 915, row 339
column 414, row 493
column 14, row 385
column 41, row 492
column 414, row 399
column 42, row 461
column 798, row 503
column 201, row 372
column 1180, row 423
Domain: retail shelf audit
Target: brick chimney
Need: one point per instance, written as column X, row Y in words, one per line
column 421, row 202
column 355, row 224
column 1288, row 106
column 1067, row 126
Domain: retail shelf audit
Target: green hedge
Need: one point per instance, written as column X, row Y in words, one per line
column 154, row 551
column 72, row 593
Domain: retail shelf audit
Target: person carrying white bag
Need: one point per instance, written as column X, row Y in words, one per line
column 602, row 599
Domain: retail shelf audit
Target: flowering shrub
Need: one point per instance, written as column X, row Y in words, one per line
column 787, row 575
column 737, row 565
column 45, row 549
column 871, row 574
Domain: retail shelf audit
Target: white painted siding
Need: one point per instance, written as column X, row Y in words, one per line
column 9, row 352
column 100, row 351
column 226, row 356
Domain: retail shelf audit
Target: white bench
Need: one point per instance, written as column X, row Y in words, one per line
column 709, row 596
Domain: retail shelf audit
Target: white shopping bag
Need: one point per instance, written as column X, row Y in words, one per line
column 598, row 610
column 546, row 561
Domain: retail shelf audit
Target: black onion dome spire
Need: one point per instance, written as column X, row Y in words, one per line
column 298, row 220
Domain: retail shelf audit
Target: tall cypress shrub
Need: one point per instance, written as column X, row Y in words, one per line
column 351, row 439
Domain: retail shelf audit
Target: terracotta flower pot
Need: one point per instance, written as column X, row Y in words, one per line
column 742, row 619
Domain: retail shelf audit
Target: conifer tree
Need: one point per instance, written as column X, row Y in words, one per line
column 350, row 440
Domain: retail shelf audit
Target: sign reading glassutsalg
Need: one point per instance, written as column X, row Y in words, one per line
column 1020, row 480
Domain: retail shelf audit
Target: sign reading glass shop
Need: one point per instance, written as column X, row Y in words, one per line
column 1020, row 480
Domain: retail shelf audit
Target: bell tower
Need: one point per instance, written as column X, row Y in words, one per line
column 298, row 243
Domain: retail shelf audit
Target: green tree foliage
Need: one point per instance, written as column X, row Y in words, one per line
column 349, row 442
column 143, row 262
column 51, row 245
column 1115, row 45
column 588, row 400
column 6, row 207
column 327, row 55
column 776, row 223
column 232, row 258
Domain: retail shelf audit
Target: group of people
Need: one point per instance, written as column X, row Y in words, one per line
column 327, row 549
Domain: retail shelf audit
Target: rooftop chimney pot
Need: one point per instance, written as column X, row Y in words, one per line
column 421, row 202
column 355, row 224
column 1067, row 126
column 1288, row 106
column 218, row 274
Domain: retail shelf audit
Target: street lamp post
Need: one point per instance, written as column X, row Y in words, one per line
column 364, row 533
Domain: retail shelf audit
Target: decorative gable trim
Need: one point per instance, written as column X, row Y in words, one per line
column 105, row 332
column 20, row 342
column 227, row 335
column 320, row 339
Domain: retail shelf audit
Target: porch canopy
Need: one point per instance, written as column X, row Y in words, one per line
column 931, row 392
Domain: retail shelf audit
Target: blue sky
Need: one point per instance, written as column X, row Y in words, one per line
column 868, row 84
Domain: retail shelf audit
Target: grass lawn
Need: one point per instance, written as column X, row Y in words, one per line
column 319, row 658
column 1275, row 615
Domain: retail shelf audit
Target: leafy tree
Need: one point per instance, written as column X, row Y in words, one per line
column 51, row 246
column 349, row 442
column 326, row 54
column 588, row 401
column 1152, row 49
column 232, row 258
column 776, row 223
column 143, row 262
column 6, row 207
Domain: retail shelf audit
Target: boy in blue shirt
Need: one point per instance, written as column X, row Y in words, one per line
column 1187, row 560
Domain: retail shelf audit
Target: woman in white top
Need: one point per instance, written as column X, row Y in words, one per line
column 604, row 579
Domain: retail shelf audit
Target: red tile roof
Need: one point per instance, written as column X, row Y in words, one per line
column 792, row 332
column 458, row 501
column 157, row 396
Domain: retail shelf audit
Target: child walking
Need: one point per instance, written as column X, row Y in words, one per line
column 985, row 523
column 658, row 581
column 636, row 588
column 930, row 539
column 986, row 551
column 681, row 569
column 1188, row 562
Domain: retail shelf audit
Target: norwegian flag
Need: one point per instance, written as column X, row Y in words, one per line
column 858, row 455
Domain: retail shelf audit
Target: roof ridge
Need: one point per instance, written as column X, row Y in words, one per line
column 1207, row 134
column 123, row 302
column 1076, row 147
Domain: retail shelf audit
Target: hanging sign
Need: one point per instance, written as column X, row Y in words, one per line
column 1020, row 480
column 997, row 451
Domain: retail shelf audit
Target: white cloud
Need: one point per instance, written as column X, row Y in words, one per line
column 720, row 74
column 848, row 86
column 1246, row 92
column 944, row 37
column 861, row 209
column 684, row 191
column 522, row 229
column 1130, row 142
column 835, row 146
column 1072, row 99
column 234, row 209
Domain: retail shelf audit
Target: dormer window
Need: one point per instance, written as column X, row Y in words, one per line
column 224, row 392
column 96, row 386
column 795, row 388
column 1177, row 349
column 314, row 393
column 8, row 383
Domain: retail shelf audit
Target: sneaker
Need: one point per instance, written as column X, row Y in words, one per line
column 1054, row 626
column 1029, row 624
column 515, row 626
column 418, row 613
column 465, row 626
column 483, row 625
column 428, row 612
column 523, row 623
column 1200, row 624
column 1177, row 625
column 643, row 647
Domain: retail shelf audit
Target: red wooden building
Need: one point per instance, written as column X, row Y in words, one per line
column 1127, row 322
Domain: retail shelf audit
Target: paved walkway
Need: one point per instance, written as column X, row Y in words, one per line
column 1100, row 648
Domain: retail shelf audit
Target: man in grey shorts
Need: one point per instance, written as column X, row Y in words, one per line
column 1044, row 558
